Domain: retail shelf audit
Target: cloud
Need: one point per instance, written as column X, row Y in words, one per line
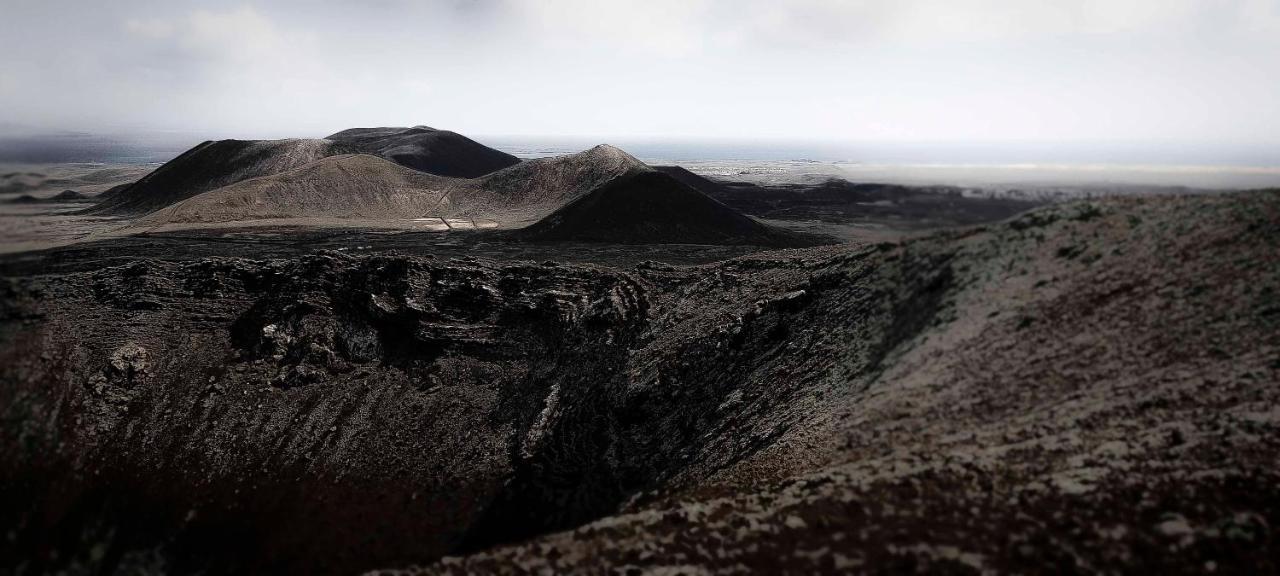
column 901, row 69
column 669, row 28
column 680, row 27
column 150, row 28
column 242, row 34
column 1260, row 16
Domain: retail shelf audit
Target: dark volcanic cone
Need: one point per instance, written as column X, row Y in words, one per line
column 646, row 206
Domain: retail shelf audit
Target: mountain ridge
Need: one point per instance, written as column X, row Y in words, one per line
column 216, row 163
column 577, row 191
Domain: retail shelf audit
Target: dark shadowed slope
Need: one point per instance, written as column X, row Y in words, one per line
column 647, row 206
column 426, row 149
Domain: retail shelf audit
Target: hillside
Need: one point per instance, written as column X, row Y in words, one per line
column 546, row 184
column 208, row 166
column 357, row 186
column 214, row 164
column 645, row 207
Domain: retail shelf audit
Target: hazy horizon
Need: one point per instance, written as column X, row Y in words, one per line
column 1034, row 165
column 1179, row 73
column 160, row 146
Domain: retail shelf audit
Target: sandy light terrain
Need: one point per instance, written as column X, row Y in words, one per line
column 37, row 226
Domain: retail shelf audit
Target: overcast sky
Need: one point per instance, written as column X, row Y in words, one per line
column 903, row 70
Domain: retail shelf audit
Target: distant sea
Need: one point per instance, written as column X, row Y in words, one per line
column 680, row 150
column 1002, row 163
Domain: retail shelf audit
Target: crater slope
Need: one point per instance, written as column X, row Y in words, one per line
column 1088, row 386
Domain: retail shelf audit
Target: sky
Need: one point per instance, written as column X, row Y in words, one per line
column 1166, row 71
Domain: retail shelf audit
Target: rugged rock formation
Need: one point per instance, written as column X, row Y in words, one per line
column 1088, row 387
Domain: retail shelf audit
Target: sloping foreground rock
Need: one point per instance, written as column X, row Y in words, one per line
column 1088, row 387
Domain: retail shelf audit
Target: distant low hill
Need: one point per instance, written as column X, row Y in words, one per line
column 215, row 164
column 66, row 196
column 838, row 200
